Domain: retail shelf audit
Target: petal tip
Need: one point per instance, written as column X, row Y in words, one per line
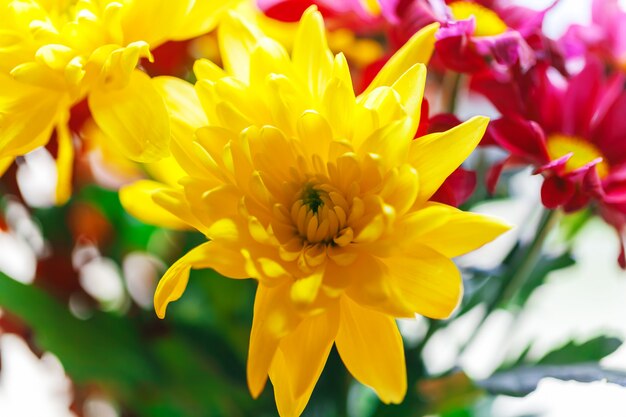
column 256, row 384
column 481, row 120
column 159, row 309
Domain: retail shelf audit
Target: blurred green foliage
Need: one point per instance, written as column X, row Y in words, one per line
column 193, row 363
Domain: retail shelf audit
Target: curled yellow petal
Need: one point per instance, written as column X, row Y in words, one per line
column 137, row 200
column 172, row 285
column 224, row 260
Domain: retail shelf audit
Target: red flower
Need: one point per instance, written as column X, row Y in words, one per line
column 474, row 34
column 350, row 14
column 573, row 131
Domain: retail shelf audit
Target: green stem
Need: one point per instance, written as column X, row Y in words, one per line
column 531, row 255
column 520, row 270
column 450, row 90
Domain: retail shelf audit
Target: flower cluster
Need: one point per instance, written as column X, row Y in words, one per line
column 320, row 195
column 55, row 54
column 295, row 139
column 559, row 100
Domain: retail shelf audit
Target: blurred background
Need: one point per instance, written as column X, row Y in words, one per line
column 82, row 288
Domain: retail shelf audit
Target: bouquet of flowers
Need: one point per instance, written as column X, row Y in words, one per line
column 307, row 177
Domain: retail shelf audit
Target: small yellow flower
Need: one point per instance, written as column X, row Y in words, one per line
column 321, row 196
column 55, row 53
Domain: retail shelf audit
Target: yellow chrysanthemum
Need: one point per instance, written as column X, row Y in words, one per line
column 55, row 53
column 321, row 196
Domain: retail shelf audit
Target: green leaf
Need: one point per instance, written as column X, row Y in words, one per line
column 103, row 348
column 479, row 288
column 150, row 366
column 523, row 380
column 590, row 351
column 544, row 266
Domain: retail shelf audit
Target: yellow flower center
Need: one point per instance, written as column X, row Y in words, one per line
column 316, row 216
column 488, row 23
column 320, row 215
column 583, row 153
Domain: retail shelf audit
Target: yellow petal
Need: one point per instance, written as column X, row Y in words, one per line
column 339, row 100
column 391, row 142
column 119, row 64
column 300, row 360
column 153, row 20
column 226, row 261
column 135, row 117
column 172, row 285
column 418, row 49
column 422, row 221
column 186, row 116
column 39, row 75
column 27, row 116
column 304, row 290
column 462, row 232
column 336, row 278
column 315, row 133
column 268, row 57
column 167, row 171
column 202, row 18
column 426, row 281
column 214, row 204
column 287, row 403
column 137, row 200
column 173, row 200
column 410, row 86
column 370, row 346
column 273, row 319
column 237, row 39
column 64, row 163
column 182, row 102
column 311, row 56
column 401, row 188
column 385, row 103
column 437, row 155
column 237, row 94
column 371, row 287
column 207, row 70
